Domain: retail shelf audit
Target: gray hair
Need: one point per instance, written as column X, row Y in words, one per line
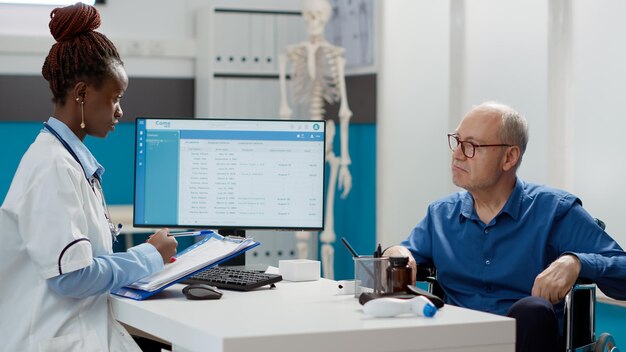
column 514, row 129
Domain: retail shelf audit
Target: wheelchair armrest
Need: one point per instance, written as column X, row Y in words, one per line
column 583, row 282
column 424, row 272
column 579, row 314
column 428, row 274
column 434, row 287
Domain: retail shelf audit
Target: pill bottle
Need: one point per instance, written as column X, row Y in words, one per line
column 399, row 274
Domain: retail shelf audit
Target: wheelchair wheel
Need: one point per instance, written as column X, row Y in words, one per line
column 606, row 343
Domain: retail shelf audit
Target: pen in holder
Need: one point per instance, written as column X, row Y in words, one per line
column 370, row 275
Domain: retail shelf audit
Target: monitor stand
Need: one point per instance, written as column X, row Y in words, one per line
column 240, row 259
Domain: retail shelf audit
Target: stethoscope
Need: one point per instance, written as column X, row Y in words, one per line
column 95, row 183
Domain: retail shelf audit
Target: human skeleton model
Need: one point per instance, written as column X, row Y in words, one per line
column 318, row 75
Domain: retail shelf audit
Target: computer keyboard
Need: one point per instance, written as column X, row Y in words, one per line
column 233, row 279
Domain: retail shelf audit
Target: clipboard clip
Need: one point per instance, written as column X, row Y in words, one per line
column 239, row 238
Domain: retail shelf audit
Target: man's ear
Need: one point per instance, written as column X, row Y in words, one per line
column 511, row 157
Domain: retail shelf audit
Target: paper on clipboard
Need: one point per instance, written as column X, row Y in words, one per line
column 209, row 250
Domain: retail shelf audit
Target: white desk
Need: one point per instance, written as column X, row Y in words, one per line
column 307, row 316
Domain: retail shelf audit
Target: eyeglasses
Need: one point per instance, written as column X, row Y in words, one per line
column 468, row 148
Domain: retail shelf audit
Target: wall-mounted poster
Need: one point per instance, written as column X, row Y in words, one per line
column 352, row 27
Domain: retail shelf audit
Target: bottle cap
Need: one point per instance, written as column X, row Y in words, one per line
column 429, row 310
column 399, row 261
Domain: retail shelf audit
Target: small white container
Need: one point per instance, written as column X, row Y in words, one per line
column 299, row 269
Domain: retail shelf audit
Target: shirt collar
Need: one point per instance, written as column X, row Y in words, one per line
column 511, row 207
column 467, row 205
column 89, row 163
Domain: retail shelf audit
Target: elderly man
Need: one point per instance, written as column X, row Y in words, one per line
column 507, row 246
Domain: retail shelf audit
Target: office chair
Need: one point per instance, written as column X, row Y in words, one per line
column 579, row 312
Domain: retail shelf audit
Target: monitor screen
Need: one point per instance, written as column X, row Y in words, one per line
column 229, row 173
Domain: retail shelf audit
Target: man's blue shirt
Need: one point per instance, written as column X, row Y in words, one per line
column 489, row 267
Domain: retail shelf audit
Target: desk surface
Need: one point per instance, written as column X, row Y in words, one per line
column 307, row 316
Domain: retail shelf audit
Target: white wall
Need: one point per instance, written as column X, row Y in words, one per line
column 156, row 38
column 560, row 63
column 506, row 60
column 159, row 42
column 598, row 111
column 437, row 58
column 413, row 114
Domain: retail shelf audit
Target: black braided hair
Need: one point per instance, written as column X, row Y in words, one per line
column 80, row 53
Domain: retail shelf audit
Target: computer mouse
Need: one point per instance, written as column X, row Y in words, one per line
column 201, row 291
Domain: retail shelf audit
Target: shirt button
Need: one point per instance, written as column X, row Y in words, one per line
column 486, row 231
column 487, row 261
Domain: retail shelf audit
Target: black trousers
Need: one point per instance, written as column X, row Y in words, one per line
column 536, row 326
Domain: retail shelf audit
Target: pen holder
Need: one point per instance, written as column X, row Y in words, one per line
column 370, row 275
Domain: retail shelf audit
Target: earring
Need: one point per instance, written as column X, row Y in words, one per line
column 82, row 113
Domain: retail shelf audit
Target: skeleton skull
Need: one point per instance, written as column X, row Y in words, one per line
column 316, row 14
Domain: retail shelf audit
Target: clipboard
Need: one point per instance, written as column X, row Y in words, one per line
column 210, row 251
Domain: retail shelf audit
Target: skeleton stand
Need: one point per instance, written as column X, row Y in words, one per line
column 318, row 75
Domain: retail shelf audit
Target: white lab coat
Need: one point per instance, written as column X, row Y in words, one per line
column 53, row 222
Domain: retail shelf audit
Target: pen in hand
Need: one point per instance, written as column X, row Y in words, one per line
column 189, row 233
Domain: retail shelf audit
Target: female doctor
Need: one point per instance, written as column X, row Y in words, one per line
column 57, row 260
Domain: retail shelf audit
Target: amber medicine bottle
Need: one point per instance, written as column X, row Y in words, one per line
column 399, row 274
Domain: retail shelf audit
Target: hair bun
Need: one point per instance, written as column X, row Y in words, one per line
column 70, row 21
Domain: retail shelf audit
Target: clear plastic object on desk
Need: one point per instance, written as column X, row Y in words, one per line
column 389, row 307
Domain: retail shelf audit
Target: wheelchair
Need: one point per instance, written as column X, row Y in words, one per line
column 580, row 318
column 579, row 311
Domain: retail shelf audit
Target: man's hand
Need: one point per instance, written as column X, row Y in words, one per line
column 554, row 282
column 400, row 251
column 166, row 245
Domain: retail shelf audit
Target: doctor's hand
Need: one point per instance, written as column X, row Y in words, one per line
column 556, row 280
column 166, row 245
column 401, row 251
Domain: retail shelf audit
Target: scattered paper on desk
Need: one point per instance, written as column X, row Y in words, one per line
column 206, row 252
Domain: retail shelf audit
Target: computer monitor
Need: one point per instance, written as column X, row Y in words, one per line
column 229, row 174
